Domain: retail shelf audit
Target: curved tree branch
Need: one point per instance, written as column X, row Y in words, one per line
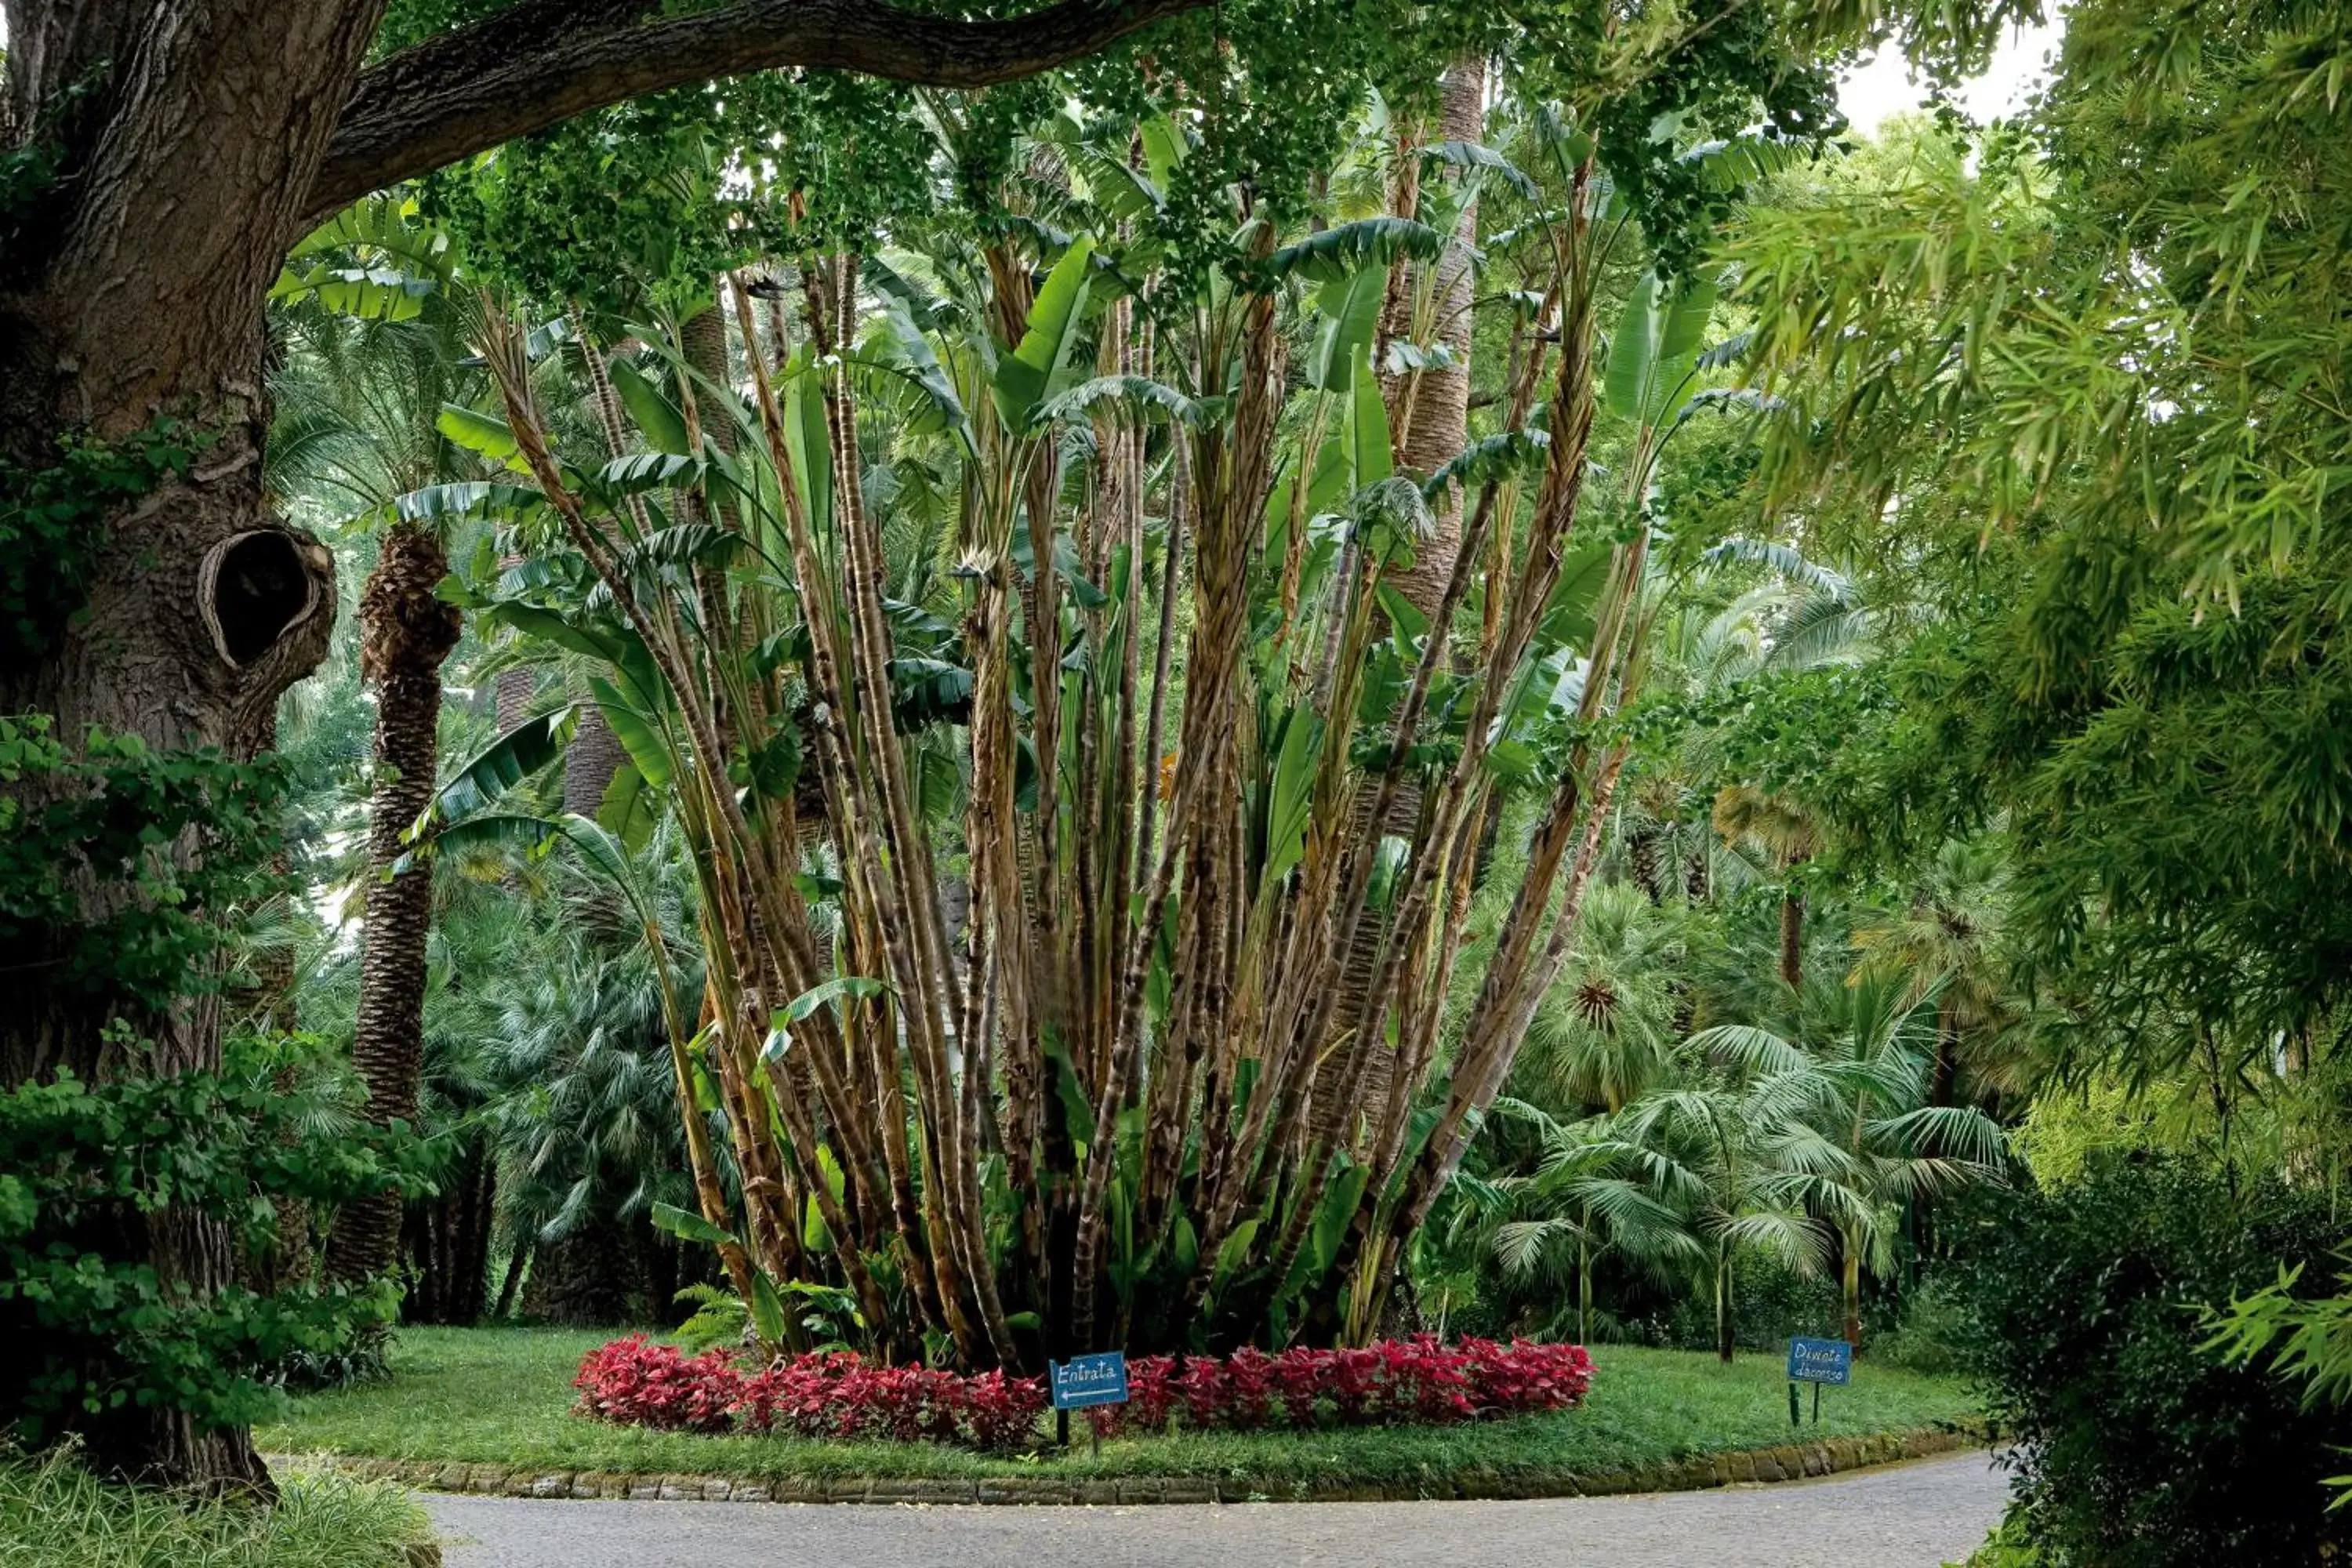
column 546, row 61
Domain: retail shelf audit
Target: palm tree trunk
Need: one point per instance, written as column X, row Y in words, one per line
column 1429, row 412
column 590, row 763
column 1723, row 1335
column 1792, row 939
column 1851, row 1272
column 516, row 1261
column 1584, row 1293
column 406, row 633
column 1945, row 1072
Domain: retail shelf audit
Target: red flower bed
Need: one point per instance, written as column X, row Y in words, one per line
column 1415, row 1382
column 635, row 1383
column 1397, row 1383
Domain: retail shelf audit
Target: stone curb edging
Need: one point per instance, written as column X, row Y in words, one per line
column 1795, row 1461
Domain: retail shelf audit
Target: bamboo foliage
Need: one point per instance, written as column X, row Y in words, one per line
column 1086, row 1112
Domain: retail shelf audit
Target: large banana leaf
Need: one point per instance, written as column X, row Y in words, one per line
column 499, row 767
column 1653, row 356
column 638, row 734
column 1490, row 460
column 1163, row 148
column 1348, row 247
column 808, row 440
column 1368, row 434
column 686, row 1224
column 466, row 498
column 1292, row 793
column 1026, row 378
column 548, row 626
column 657, row 419
column 1139, row 399
column 899, row 348
column 485, row 434
column 628, row 808
column 1350, row 306
column 1472, row 158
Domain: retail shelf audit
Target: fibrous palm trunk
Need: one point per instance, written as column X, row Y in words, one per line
column 594, row 756
column 1429, row 412
column 406, row 633
column 1792, row 939
column 1849, row 1280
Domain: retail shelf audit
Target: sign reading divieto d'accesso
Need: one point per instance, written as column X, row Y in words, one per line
column 1820, row 1361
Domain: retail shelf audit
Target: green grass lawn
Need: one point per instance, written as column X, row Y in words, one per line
column 504, row 1396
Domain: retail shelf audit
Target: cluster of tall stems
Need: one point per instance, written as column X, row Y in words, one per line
column 1183, row 1074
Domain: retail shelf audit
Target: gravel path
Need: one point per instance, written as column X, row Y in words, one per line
column 1909, row 1516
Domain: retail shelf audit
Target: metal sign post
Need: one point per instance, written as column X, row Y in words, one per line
column 1083, row 1381
column 1817, row 1361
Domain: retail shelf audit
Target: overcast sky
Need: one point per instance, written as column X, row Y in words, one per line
column 1881, row 85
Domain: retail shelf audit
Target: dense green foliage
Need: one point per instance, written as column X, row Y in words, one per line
column 86, row 1168
column 49, row 535
column 2084, row 1326
column 1906, row 660
column 104, row 1329
column 104, row 809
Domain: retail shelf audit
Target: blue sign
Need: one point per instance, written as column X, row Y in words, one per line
column 1820, row 1361
column 1084, row 1380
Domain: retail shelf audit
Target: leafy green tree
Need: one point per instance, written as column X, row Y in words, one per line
column 1847, row 1111
column 1594, row 1198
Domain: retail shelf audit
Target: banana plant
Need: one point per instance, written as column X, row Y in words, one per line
column 1055, row 1077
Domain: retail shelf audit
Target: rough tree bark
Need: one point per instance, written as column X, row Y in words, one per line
column 133, row 289
column 406, row 633
column 189, row 140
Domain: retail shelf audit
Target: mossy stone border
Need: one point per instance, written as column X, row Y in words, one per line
column 1790, row 1462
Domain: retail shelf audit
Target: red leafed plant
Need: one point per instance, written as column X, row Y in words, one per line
column 1396, row 1383
column 637, row 1383
column 634, row 1383
column 1414, row 1382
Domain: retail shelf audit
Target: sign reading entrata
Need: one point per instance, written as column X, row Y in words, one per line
column 1084, row 1380
column 1820, row 1361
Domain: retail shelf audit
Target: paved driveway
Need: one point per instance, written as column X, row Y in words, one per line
column 1909, row 1516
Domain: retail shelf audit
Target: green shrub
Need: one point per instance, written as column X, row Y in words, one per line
column 55, row 1514
column 2135, row 1449
column 1769, row 1303
column 1928, row 1337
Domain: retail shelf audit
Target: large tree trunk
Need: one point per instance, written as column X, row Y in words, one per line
column 130, row 291
column 405, row 632
column 593, row 1278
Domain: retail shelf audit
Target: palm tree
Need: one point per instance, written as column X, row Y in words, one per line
column 1847, row 1119
column 587, row 1125
column 1785, row 830
column 1947, row 942
column 1592, row 1197
column 1605, row 1032
column 1709, row 1150
column 367, row 370
column 1726, row 630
